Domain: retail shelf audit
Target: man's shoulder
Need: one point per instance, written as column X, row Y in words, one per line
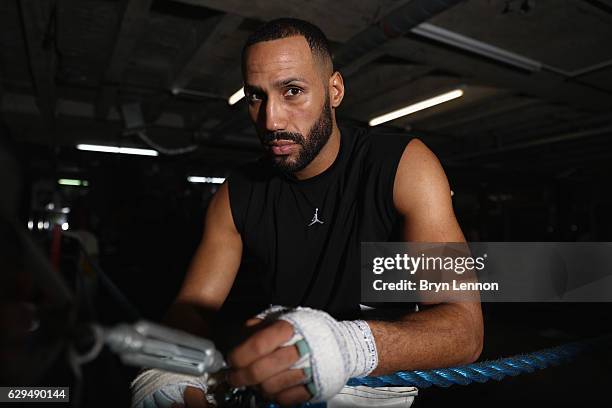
column 388, row 140
column 419, row 174
column 379, row 145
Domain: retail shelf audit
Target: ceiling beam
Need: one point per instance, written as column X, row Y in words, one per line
column 353, row 67
column 378, row 80
column 531, row 144
column 486, row 109
column 503, row 124
column 363, row 46
column 38, row 24
column 133, row 22
column 545, row 85
column 337, row 21
column 213, row 31
column 198, row 60
column 72, row 130
column 195, row 61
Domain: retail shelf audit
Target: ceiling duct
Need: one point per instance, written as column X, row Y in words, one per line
column 395, row 24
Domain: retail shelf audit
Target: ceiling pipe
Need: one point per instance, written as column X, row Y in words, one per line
column 352, row 55
column 395, row 24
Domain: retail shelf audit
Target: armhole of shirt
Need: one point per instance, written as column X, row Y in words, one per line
column 236, row 186
column 391, row 156
column 405, row 142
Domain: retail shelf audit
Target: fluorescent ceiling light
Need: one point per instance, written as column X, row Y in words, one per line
column 73, row 182
column 192, row 92
column 238, row 95
column 117, row 149
column 140, row 152
column 210, row 180
column 428, row 103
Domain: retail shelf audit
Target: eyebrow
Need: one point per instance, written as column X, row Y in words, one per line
column 277, row 84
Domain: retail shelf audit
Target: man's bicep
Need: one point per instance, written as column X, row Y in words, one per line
column 422, row 196
column 217, row 259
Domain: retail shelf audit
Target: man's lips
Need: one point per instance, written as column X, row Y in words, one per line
column 282, row 147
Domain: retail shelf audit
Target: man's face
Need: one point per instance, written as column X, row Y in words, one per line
column 288, row 101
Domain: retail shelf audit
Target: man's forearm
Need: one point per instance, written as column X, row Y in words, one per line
column 205, row 322
column 441, row 335
column 190, row 318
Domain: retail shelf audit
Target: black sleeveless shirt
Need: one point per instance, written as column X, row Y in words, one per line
column 301, row 238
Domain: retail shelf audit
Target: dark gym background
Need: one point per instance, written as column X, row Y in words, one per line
column 527, row 149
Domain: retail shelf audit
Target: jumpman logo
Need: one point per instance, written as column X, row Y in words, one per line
column 315, row 218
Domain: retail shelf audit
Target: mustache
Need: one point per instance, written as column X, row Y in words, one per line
column 269, row 137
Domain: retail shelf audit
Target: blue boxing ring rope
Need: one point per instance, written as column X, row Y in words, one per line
column 480, row 372
column 487, row 370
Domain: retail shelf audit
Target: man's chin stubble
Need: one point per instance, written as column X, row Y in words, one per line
column 284, row 163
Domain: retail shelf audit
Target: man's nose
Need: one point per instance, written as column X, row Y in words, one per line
column 275, row 117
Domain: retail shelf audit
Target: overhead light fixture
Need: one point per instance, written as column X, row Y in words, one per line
column 428, row 103
column 209, row 180
column 73, row 182
column 237, row 96
column 117, row 149
column 193, row 92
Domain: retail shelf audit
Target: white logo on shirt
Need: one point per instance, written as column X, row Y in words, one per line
column 315, row 218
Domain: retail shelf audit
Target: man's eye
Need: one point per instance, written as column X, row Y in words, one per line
column 252, row 97
column 293, row 91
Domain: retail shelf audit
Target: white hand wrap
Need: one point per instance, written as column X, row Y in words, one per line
column 337, row 350
column 160, row 389
column 272, row 312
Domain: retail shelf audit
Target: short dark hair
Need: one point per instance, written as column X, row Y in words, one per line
column 289, row 27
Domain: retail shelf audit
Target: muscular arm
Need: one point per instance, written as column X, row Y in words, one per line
column 212, row 270
column 443, row 334
column 439, row 335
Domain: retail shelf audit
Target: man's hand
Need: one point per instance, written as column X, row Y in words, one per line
column 194, row 398
column 263, row 362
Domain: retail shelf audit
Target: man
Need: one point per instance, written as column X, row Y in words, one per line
column 295, row 221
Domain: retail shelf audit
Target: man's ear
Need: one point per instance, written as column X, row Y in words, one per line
column 336, row 89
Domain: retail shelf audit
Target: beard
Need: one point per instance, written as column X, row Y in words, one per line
column 310, row 147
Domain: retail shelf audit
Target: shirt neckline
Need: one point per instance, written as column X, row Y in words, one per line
column 328, row 171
